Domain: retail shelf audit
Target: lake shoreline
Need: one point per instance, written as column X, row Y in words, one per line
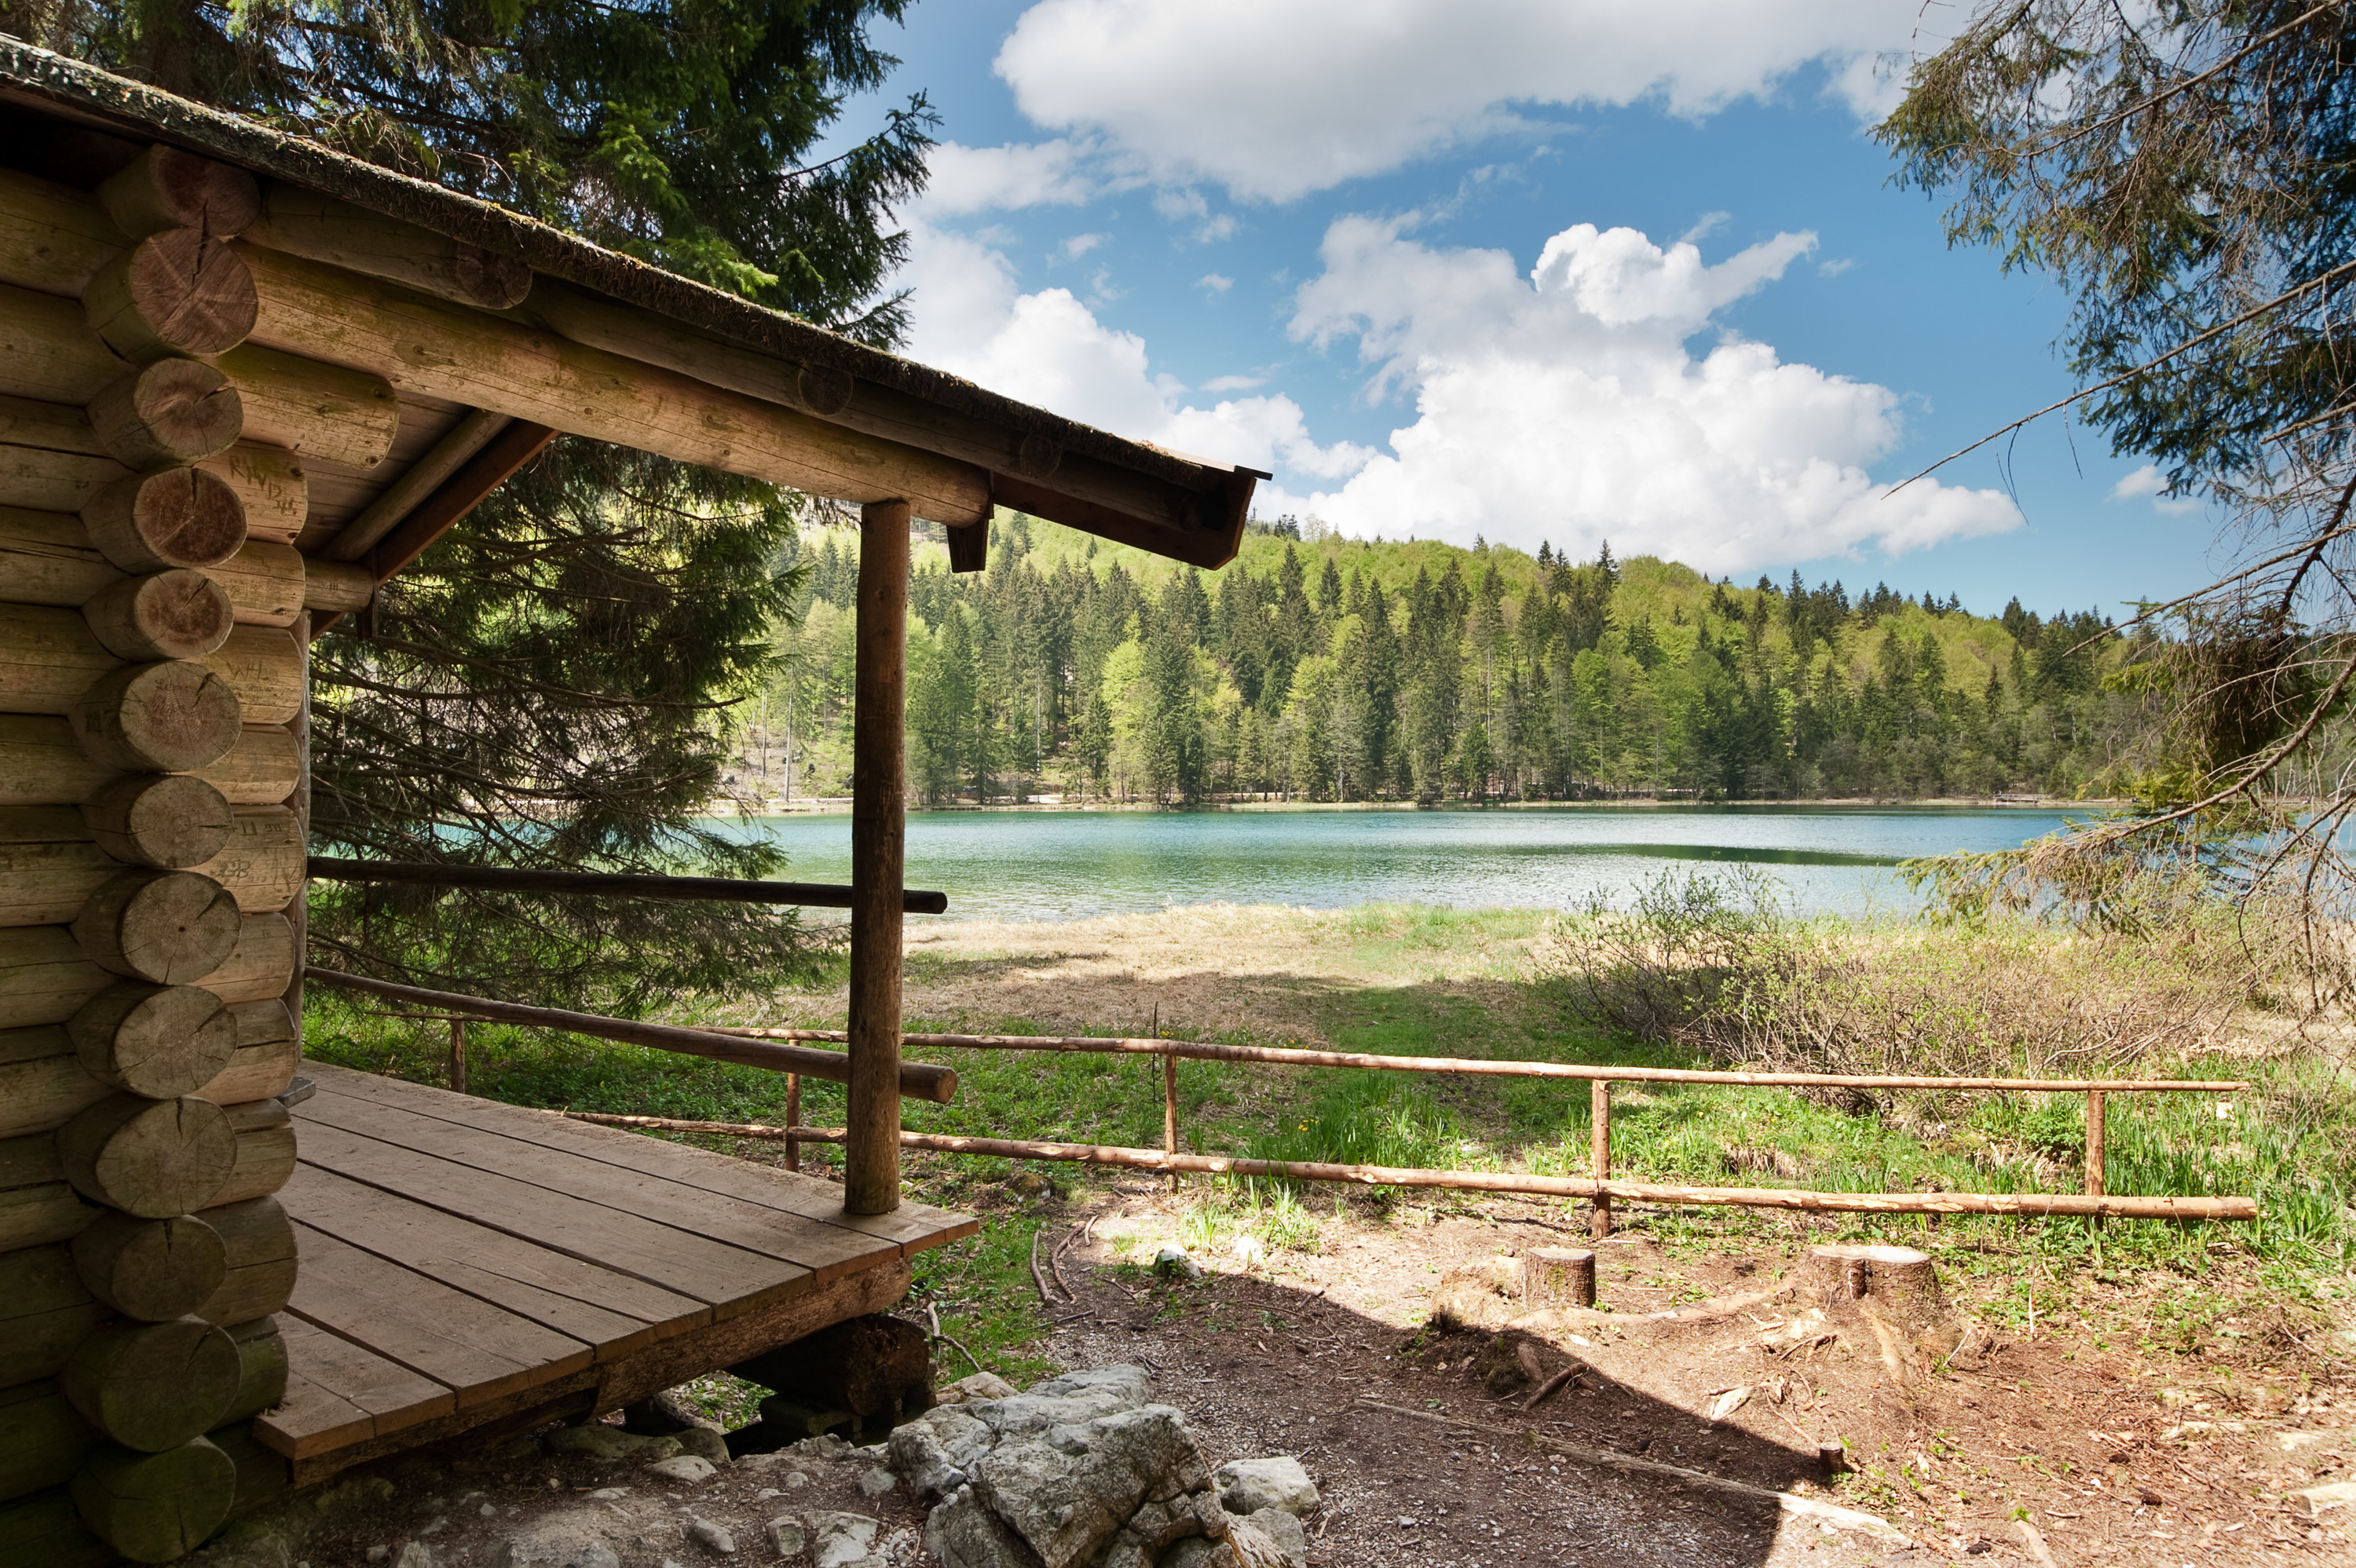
column 840, row 806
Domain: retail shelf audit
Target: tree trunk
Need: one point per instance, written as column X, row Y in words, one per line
column 49, row 353
column 258, row 1239
column 43, row 1441
column 152, row 1508
column 266, row 583
column 177, row 716
column 165, row 187
column 267, row 1055
column 173, row 614
column 152, row 1386
column 155, row 1158
column 153, row 1270
column 171, row 927
column 176, row 821
column 173, row 411
column 54, row 238
column 177, row 291
column 264, row 667
column 160, row 1042
column 322, row 229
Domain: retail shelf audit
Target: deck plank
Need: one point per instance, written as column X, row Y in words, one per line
column 612, row 1313
column 728, row 1279
column 827, row 1251
column 477, row 1351
column 914, row 1227
column 338, row 1393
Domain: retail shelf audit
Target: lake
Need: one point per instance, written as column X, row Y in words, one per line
column 1070, row 864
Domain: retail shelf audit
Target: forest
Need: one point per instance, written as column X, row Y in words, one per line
column 1321, row 668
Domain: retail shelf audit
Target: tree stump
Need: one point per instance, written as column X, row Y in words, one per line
column 1559, row 1276
column 171, row 820
column 152, row 1386
column 43, row 1439
column 1896, row 1289
column 165, row 187
column 262, row 1368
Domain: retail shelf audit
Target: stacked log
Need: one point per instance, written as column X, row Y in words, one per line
column 151, row 487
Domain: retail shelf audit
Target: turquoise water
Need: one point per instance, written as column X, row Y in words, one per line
column 1074, row 865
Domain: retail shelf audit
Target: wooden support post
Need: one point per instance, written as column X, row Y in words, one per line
column 793, row 1119
column 871, row 1155
column 1170, row 1110
column 2095, row 1140
column 458, row 1056
column 298, row 801
column 1598, row 1099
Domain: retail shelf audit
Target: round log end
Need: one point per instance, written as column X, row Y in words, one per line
column 153, row 1270
column 490, row 280
column 171, row 927
column 1559, row 1276
column 174, row 820
column 174, row 293
column 174, row 517
column 153, row 1158
column 176, row 716
column 825, row 390
column 160, row 1042
column 165, row 188
column 175, row 410
column 179, row 614
column 152, row 1386
column 152, row 1508
column 1037, row 456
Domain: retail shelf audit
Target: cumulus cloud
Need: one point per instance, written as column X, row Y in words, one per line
column 1275, row 100
column 1568, row 406
column 2147, row 483
column 963, row 179
column 1049, row 348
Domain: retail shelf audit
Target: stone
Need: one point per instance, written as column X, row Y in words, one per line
column 571, row 1539
column 1173, row 1261
column 932, row 1452
column 980, row 1386
column 963, row 1534
column 840, row 1540
column 609, row 1443
column 689, row 1468
column 1201, row 1552
column 704, row 1443
column 1270, row 1538
column 2314, row 1502
column 1067, row 1492
column 875, row 1482
column 712, row 1537
column 416, row 1555
column 1247, row 1486
column 786, row 1536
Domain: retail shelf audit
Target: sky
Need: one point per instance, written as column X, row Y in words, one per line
column 1559, row 270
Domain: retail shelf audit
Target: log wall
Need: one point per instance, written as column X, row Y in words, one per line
column 151, row 486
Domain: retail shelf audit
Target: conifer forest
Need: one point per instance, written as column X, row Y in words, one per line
column 1324, row 668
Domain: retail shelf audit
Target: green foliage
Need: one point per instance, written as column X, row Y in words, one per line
column 1358, row 670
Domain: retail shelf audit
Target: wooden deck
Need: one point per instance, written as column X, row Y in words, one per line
column 466, row 1265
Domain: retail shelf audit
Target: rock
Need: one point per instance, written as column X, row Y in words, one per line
column 825, row 1445
column 1028, row 1185
column 1172, row 1263
column 1201, row 1552
column 665, row 1414
column 610, row 1444
column 875, row 1482
column 933, row 1450
column 2314, row 1502
column 840, row 1540
column 1247, row 1486
column 785, row 1534
column 416, row 1555
column 571, row 1539
column 963, row 1534
column 712, row 1537
column 1068, row 1492
column 1248, row 1250
column 378, row 1553
column 688, row 1467
column 704, row 1443
column 1270, row 1538
column 981, row 1385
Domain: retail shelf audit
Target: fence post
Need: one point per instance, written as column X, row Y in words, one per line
column 793, row 1119
column 1600, row 1146
column 1170, row 1109
column 458, row 1055
column 2094, row 1141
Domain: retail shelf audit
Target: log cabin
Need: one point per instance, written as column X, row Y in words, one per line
column 244, row 381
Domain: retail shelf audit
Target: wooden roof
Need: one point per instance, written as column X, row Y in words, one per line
column 982, row 450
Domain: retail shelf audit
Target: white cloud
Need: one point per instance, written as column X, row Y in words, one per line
column 1275, row 100
column 1234, row 383
column 2148, row 482
column 972, row 319
column 1216, row 283
column 1834, row 269
column 1079, row 245
column 962, row 179
column 1566, row 406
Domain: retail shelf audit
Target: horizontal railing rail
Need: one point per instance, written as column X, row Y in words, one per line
column 611, row 884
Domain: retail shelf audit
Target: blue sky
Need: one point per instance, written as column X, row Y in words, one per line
column 1301, row 235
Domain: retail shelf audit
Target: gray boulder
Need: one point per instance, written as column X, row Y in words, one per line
column 1247, row 1486
column 1067, row 1491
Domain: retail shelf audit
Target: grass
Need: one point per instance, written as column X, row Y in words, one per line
column 2284, row 1142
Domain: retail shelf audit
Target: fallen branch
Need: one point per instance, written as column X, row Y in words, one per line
column 1789, row 1502
column 934, row 1313
column 1546, row 1389
column 1055, row 1263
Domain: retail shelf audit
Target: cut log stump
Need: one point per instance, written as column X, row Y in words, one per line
column 173, row 411
column 152, row 1508
column 152, row 1270
column 174, row 716
column 155, row 1158
column 170, row 820
column 1895, row 1290
column 1559, row 1276
column 168, row 927
column 175, row 615
column 154, row 1386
